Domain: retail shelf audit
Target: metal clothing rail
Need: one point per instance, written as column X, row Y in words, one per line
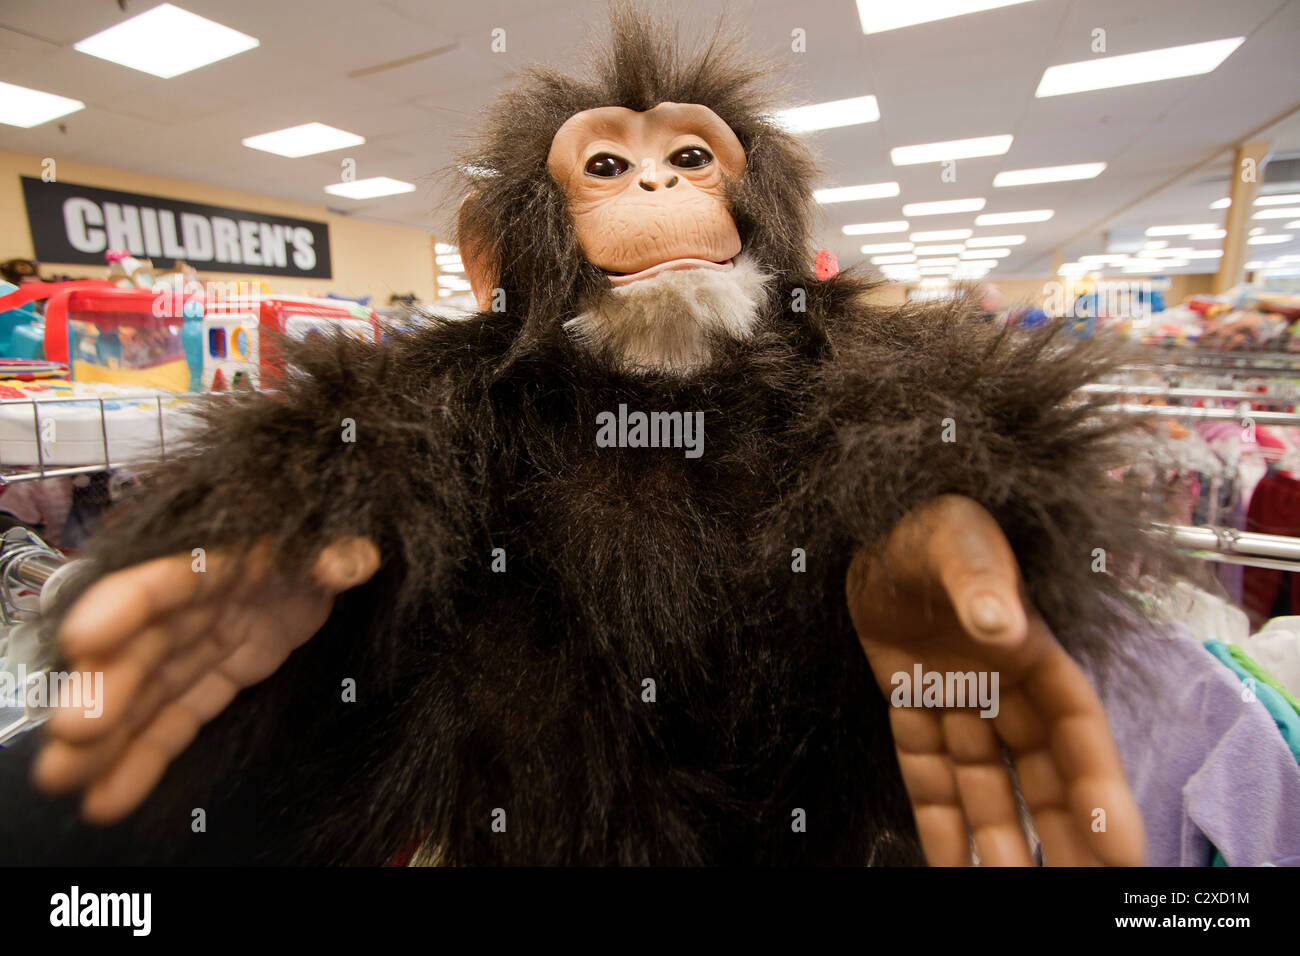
column 26, row 564
column 1240, row 415
column 1215, row 394
column 1231, row 546
column 1162, row 357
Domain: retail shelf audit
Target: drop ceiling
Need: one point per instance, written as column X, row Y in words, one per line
column 1166, row 144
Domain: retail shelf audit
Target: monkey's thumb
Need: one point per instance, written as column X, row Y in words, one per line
column 346, row 563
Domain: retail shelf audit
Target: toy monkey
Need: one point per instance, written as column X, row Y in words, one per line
column 476, row 592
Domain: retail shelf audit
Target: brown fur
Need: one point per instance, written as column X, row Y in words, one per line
column 523, row 690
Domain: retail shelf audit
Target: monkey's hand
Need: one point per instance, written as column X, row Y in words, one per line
column 944, row 594
column 175, row 645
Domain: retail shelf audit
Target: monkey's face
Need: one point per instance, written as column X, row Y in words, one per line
column 645, row 189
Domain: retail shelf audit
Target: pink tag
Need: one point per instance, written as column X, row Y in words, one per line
column 827, row 264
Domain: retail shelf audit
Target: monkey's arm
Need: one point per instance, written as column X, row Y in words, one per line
column 921, row 405
column 233, row 556
column 924, row 401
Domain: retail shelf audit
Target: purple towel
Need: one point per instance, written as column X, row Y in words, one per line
column 1209, row 769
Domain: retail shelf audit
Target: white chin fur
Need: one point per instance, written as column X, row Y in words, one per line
column 662, row 323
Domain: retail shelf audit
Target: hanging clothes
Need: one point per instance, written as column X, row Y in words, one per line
column 1209, row 770
column 1274, row 509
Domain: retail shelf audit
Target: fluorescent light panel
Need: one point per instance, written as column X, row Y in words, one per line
column 892, row 260
column 1008, row 218
column 855, row 193
column 1276, row 213
column 939, row 235
column 886, row 247
column 878, row 16
column 23, row 107
column 1048, row 174
column 1192, row 59
column 951, row 149
column 1267, row 240
column 1206, row 227
column 370, row 188
column 1278, row 199
column 831, row 115
column 305, row 140
column 1223, row 203
column 943, row 207
column 984, row 254
column 979, row 242
column 939, row 250
column 166, row 41
column 1147, row 266
column 872, row 228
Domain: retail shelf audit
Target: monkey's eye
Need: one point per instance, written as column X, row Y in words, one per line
column 691, row 157
column 607, row 166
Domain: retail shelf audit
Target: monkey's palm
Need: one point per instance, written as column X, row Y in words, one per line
column 946, row 594
column 175, row 645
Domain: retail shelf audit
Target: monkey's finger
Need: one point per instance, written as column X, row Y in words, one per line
column 346, row 563
column 1102, row 808
column 176, row 678
column 971, row 558
column 1027, row 735
column 123, row 603
column 61, row 767
column 67, row 764
column 931, row 786
column 119, row 678
column 988, row 798
column 126, row 784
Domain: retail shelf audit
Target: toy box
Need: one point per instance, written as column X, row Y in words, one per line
column 235, row 349
column 118, row 337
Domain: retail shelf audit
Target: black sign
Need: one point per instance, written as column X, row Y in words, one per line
column 72, row 223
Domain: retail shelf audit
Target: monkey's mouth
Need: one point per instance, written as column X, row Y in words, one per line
column 672, row 265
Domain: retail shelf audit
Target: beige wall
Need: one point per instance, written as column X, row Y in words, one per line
column 366, row 258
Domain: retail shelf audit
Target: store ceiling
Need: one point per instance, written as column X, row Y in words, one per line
column 970, row 76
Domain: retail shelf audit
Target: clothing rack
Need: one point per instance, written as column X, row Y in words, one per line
column 26, row 564
column 1240, row 415
column 1177, row 357
column 1230, row 546
column 1214, row 394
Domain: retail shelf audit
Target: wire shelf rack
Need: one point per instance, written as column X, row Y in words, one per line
column 31, row 449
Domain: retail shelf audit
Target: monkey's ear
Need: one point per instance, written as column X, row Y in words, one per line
column 476, row 253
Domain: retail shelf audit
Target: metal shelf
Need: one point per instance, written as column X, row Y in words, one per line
column 112, row 453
